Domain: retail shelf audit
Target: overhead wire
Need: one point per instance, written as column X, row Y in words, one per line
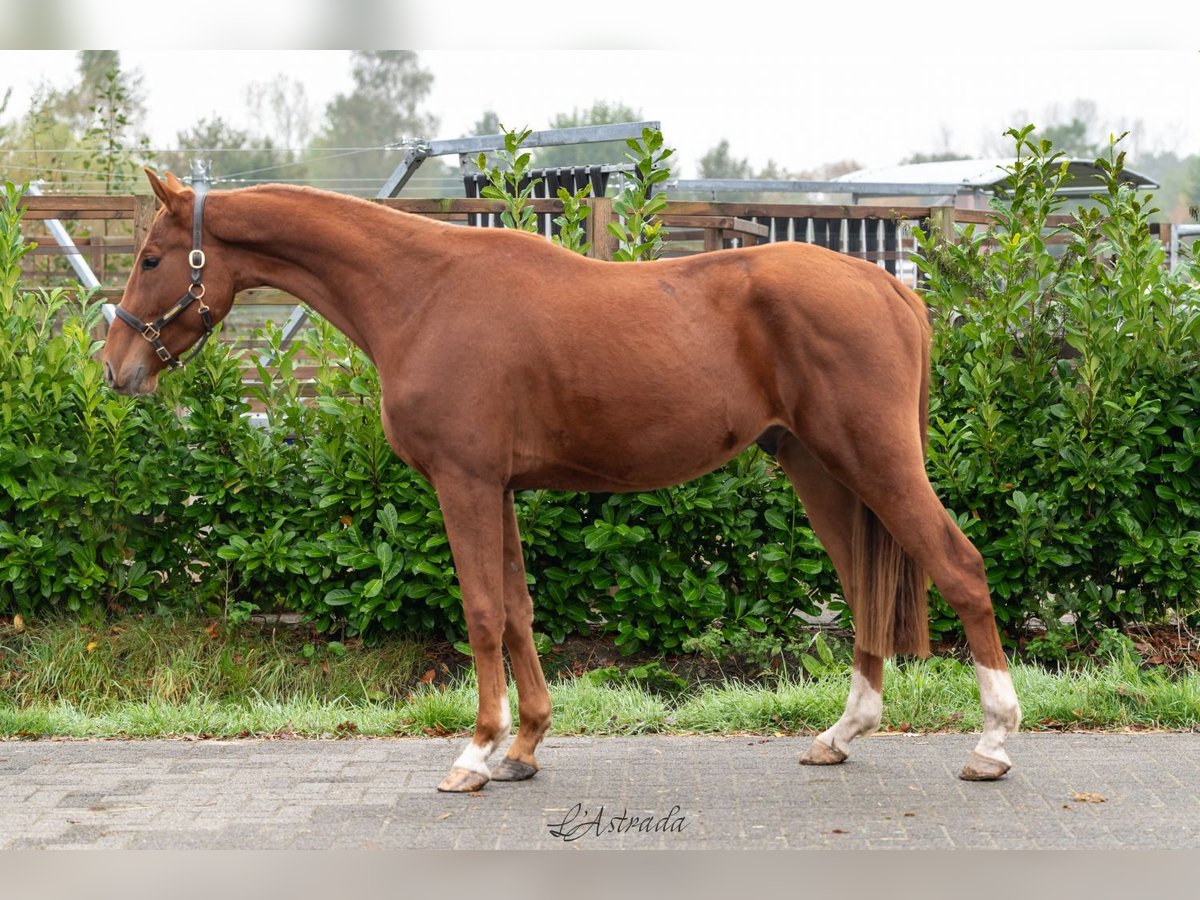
column 65, row 150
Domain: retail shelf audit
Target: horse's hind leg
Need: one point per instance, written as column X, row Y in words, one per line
column 887, row 470
column 831, row 506
column 533, row 697
column 474, row 516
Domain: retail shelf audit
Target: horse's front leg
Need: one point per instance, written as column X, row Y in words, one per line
column 533, row 698
column 474, row 514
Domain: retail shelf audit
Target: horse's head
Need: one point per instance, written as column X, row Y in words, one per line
column 177, row 291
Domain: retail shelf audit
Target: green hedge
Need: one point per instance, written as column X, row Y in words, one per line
column 1063, row 436
column 1064, row 405
column 114, row 502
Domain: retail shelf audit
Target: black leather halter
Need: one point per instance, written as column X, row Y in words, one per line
column 194, row 293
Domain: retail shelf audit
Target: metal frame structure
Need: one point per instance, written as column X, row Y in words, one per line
column 466, row 147
column 716, row 186
column 958, row 178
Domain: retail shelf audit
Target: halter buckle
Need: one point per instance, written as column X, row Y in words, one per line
column 150, row 333
column 163, row 353
column 196, row 259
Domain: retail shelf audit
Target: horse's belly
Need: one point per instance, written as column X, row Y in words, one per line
column 616, row 455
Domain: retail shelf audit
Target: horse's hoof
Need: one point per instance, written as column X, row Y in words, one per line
column 462, row 781
column 511, row 769
column 983, row 768
column 821, row 754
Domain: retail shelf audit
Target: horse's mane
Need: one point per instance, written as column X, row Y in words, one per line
column 303, row 190
column 350, row 205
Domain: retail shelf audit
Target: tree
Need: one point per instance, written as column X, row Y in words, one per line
column 282, row 108
column 383, row 108
column 1077, row 130
column 1178, row 194
column 1192, row 189
column 935, row 156
column 488, row 123
column 718, row 163
column 944, row 151
column 36, row 142
column 100, row 75
column 6, row 128
column 830, row 170
column 101, row 114
column 1071, row 138
column 232, row 151
column 119, row 150
column 602, row 112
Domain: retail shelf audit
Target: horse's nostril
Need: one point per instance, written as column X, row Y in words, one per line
column 108, row 375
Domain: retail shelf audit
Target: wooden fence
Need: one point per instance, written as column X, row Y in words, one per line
column 107, row 231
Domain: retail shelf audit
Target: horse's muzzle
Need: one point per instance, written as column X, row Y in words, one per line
column 131, row 380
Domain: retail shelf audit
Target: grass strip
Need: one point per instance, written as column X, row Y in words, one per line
column 923, row 696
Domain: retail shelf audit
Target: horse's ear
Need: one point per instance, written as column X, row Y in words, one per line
column 168, row 188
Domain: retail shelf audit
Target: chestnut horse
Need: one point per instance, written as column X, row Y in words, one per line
column 507, row 363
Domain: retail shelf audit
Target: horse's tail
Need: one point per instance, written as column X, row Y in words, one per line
column 891, row 591
column 890, row 610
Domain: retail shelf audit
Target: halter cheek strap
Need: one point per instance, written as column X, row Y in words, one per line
column 152, row 332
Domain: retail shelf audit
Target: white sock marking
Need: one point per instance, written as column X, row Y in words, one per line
column 474, row 758
column 864, row 710
column 1001, row 712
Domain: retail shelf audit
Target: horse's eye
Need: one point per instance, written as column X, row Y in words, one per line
column 149, row 262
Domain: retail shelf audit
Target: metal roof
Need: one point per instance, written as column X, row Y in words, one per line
column 985, row 174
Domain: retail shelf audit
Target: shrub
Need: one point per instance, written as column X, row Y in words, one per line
column 1064, row 397
column 85, row 509
column 1065, row 390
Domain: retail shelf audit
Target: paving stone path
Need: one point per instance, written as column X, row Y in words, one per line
column 1066, row 791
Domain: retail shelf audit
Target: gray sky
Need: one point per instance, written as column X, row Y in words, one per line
column 772, row 97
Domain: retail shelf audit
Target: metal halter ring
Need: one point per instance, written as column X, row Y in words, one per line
column 192, row 290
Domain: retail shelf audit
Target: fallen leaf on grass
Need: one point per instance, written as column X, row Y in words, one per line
column 1088, row 797
column 428, row 676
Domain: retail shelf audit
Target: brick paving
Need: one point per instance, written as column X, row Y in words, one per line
column 695, row 792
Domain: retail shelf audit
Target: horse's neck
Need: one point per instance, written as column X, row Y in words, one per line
column 323, row 249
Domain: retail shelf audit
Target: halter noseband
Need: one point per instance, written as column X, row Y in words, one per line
column 195, row 291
